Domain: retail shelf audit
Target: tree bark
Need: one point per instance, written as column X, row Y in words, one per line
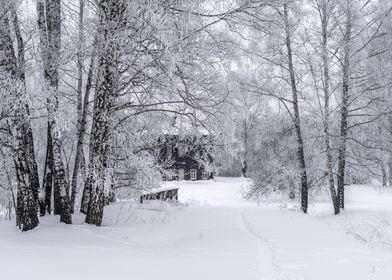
column 88, row 181
column 29, row 139
column 26, row 208
column 80, row 126
column 244, row 168
column 49, row 22
column 383, row 174
column 297, row 120
column 244, row 161
column 82, row 131
column 327, row 135
column 47, row 184
column 390, row 170
column 344, row 107
column 112, row 21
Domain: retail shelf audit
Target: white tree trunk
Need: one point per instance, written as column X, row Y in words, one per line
column 112, row 21
column 49, row 15
column 344, row 105
column 327, row 135
column 297, row 120
column 19, row 126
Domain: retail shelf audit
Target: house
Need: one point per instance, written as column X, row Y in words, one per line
column 186, row 157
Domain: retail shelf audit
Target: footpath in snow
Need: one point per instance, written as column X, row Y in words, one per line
column 212, row 234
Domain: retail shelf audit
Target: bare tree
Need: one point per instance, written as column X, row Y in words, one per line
column 12, row 80
column 296, row 115
column 325, row 9
column 82, row 104
column 344, row 102
column 112, row 21
column 49, row 23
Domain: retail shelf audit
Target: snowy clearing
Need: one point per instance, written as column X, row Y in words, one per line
column 212, row 234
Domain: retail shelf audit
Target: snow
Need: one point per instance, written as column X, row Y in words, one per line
column 211, row 234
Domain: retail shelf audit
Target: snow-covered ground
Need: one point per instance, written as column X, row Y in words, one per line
column 212, row 234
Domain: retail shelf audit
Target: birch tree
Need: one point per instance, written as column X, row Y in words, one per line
column 49, row 23
column 112, row 17
column 325, row 10
column 83, row 98
column 362, row 83
column 12, row 81
column 344, row 100
column 296, row 115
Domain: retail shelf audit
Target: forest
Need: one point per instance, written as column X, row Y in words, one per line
column 296, row 94
column 292, row 95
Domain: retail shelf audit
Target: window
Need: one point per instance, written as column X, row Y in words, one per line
column 181, row 150
column 193, row 174
column 181, row 174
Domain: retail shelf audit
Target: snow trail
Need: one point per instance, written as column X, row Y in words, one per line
column 212, row 234
column 268, row 265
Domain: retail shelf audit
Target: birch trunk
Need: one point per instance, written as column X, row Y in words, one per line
column 89, row 179
column 80, row 108
column 344, row 106
column 46, row 204
column 390, row 169
column 50, row 34
column 10, row 78
column 112, row 21
column 28, row 134
column 81, row 134
column 244, row 161
column 327, row 135
column 297, row 120
column 390, row 172
column 383, row 174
